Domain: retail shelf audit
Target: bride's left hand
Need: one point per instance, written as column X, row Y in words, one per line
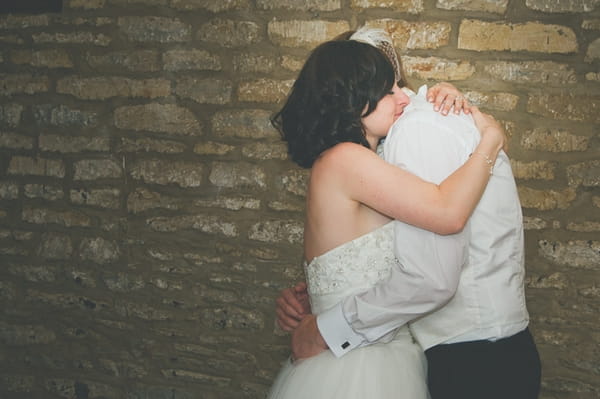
column 445, row 96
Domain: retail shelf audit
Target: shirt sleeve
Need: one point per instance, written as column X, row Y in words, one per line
column 428, row 269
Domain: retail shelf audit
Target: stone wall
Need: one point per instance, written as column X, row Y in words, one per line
column 149, row 215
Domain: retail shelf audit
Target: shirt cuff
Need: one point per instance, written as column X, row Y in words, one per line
column 336, row 331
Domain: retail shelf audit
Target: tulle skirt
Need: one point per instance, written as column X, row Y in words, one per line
column 394, row 370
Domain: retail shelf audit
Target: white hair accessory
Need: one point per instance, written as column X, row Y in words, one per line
column 382, row 40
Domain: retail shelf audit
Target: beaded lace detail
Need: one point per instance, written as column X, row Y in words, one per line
column 353, row 266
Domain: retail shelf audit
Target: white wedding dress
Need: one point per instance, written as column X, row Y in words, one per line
column 393, row 370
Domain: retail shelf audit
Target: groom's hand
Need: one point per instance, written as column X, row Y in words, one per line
column 306, row 339
column 292, row 307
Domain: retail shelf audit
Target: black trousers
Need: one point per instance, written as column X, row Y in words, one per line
column 509, row 368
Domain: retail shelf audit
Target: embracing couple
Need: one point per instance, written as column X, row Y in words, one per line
column 414, row 257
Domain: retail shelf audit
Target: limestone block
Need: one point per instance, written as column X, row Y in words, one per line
column 154, row 29
column 101, row 88
column 243, row 124
column 229, row 33
column 195, row 60
column 534, row 170
column 308, row 34
column 545, row 200
column 99, row 250
column 414, row 35
column 93, row 169
column 495, row 6
column 530, row 36
column 136, row 60
column 87, row 38
column 162, row 118
column 158, row 171
column 579, row 254
column 20, row 165
column 237, row 175
column 205, row 91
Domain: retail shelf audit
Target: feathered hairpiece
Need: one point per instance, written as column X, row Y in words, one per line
column 380, row 39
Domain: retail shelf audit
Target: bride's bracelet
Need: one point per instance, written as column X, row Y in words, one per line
column 487, row 160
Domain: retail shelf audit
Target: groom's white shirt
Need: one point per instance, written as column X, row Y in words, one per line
column 455, row 288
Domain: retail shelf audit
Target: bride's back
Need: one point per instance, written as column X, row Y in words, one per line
column 333, row 217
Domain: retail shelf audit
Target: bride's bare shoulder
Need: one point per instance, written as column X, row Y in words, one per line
column 342, row 154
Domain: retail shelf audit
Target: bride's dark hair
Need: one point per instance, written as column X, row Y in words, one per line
column 325, row 106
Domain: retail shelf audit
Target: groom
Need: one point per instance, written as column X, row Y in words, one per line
column 462, row 294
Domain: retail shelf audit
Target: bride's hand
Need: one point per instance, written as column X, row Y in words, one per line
column 490, row 129
column 445, row 96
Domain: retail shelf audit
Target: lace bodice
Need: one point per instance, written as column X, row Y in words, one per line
column 353, row 266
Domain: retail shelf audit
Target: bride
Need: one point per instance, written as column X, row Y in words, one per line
column 342, row 104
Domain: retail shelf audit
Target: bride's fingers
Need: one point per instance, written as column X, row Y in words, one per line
column 461, row 104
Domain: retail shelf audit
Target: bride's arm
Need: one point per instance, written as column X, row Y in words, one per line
column 443, row 208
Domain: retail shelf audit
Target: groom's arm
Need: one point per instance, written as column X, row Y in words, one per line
column 429, row 266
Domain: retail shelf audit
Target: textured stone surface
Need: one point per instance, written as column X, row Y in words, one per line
column 593, row 51
column 23, row 84
column 586, row 174
column 136, row 60
column 15, row 141
column 99, row 250
column 181, row 60
column 580, row 254
column 10, row 114
column 240, row 174
column 414, row 35
column 210, row 5
column 410, row 6
column 298, row 33
column 542, row 72
column 184, row 174
column 203, row 223
column 205, row 91
column 495, row 6
column 155, row 29
column 104, row 198
column 243, row 124
column 103, row 88
column 300, row 5
column 43, row 58
column 277, row 231
column 164, row 118
column 530, row 36
column 437, row 69
column 562, row 6
column 264, row 90
column 99, row 39
column 493, row 101
column 55, row 143
column 566, row 107
column 36, row 166
column 229, row 33
column 545, row 200
column 45, row 191
column 554, row 140
column 63, row 218
column 149, row 214
column 543, row 170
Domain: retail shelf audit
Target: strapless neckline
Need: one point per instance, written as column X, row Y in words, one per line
column 354, row 241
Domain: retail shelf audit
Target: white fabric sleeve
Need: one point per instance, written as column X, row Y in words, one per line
column 429, row 265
